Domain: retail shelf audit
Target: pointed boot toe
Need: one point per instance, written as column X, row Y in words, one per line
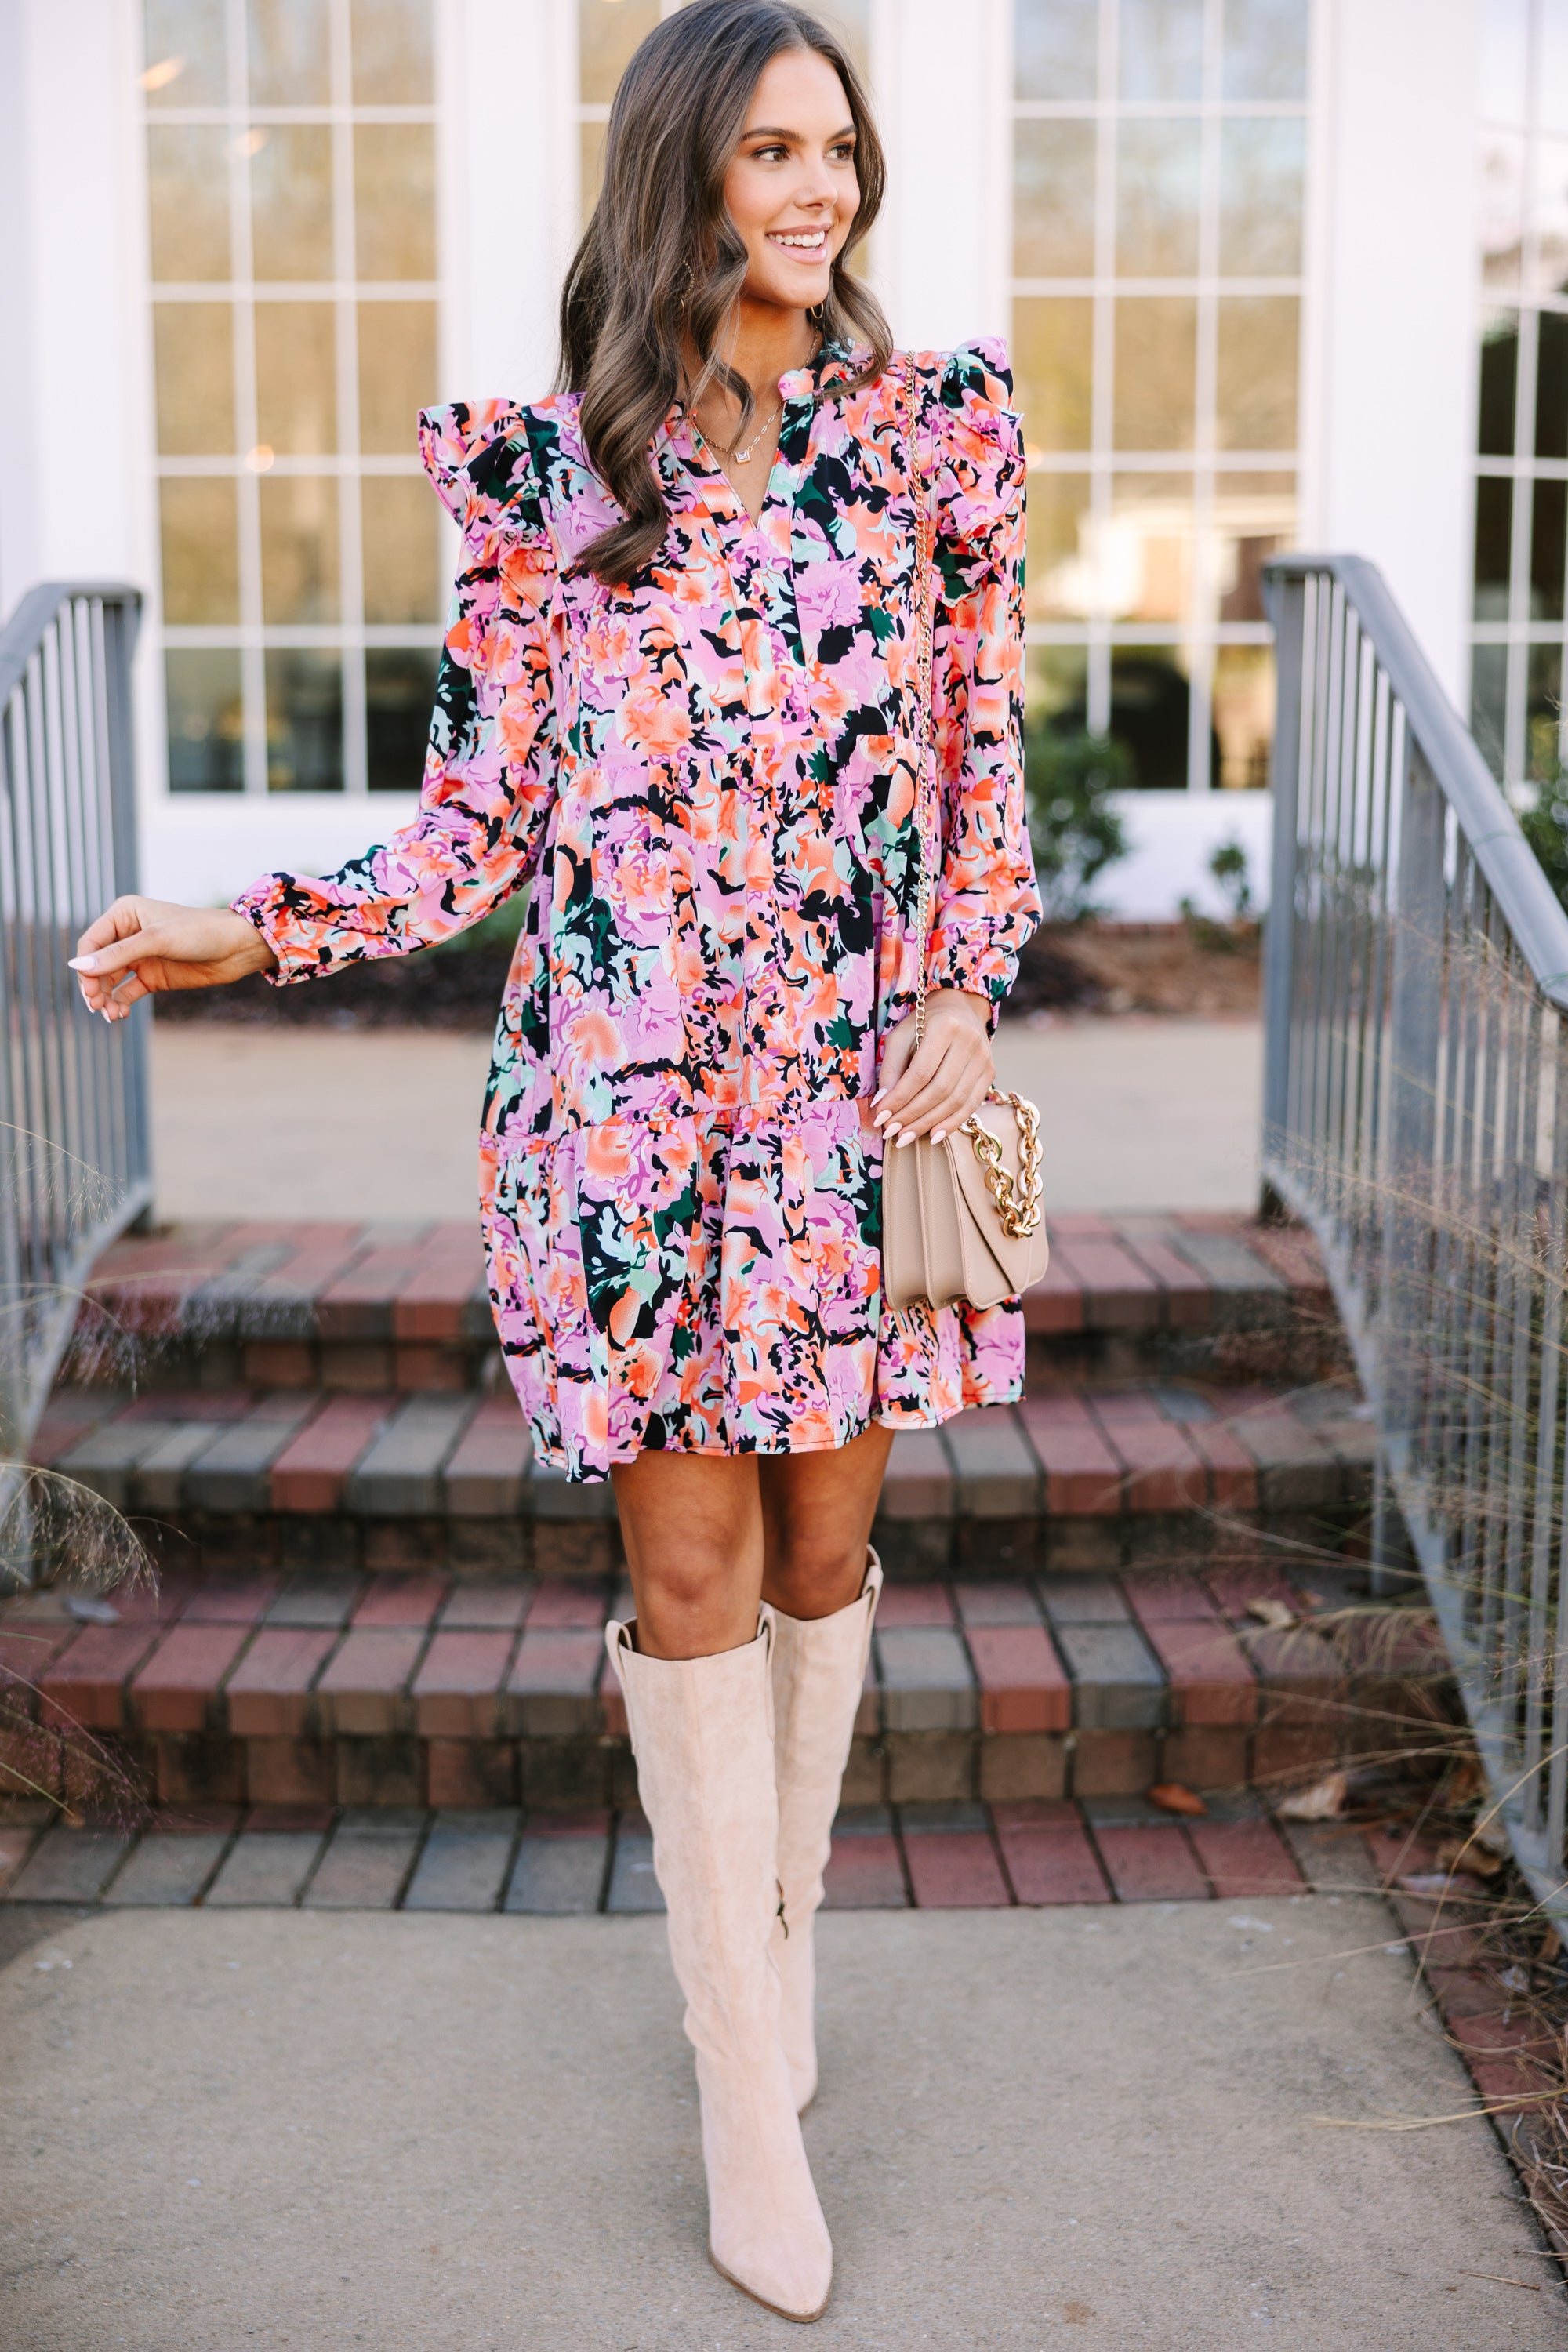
column 765, row 2229
column 782, row 2293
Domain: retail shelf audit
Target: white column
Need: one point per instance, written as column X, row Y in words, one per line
column 1390, row 395
column 74, row 379
column 76, row 497
column 945, row 234
column 18, row 473
column 510, row 182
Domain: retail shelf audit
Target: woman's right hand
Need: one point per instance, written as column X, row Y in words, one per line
column 144, row 946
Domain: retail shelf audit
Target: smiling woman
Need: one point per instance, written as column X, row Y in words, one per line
column 766, row 193
column 733, row 677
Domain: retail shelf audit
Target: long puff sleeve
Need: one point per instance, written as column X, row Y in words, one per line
column 986, row 903
column 489, row 769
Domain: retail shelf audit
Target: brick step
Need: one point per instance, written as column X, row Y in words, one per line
column 405, row 1310
column 928, row 1856
column 289, row 1305
column 432, row 1691
column 1073, row 1478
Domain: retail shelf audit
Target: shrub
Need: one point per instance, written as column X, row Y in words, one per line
column 1228, row 865
column 1076, row 832
column 1545, row 827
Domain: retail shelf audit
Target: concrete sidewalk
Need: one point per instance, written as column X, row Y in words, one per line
column 414, row 2132
column 1140, row 1114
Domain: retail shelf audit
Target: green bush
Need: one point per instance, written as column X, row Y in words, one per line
column 1068, row 780
column 1228, row 867
column 1545, row 827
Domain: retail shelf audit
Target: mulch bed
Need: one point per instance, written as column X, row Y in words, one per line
column 1204, row 971
column 1089, row 968
column 455, row 988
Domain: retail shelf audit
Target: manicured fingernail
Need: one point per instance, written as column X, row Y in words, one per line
column 879, row 1093
column 905, row 1142
column 940, row 1135
column 890, row 1130
column 84, row 963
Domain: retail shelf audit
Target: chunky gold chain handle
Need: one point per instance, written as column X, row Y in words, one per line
column 1018, row 1199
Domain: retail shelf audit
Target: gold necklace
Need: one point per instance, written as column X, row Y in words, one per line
column 743, row 456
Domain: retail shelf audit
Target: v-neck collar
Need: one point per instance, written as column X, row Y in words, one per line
column 799, row 387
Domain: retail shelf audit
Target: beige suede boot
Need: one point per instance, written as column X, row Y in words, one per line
column 701, row 1730
column 819, row 1664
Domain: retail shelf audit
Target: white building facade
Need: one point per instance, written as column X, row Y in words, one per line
column 1275, row 273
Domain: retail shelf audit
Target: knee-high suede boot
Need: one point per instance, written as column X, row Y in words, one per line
column 702, row 1733
column 819, row 1664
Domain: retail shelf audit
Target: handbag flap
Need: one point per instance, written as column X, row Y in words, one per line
column 997, row 1265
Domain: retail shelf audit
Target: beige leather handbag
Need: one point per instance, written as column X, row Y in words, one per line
column 961, row 1219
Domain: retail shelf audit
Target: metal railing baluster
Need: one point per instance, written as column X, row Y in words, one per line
column 1516, row 1397
column 1448, row 1255
column 1548, row 1507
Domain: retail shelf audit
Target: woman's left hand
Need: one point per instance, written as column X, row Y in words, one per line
column 933, row 1090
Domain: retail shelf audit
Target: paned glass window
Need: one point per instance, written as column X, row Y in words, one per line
column 292, row 244
column 1159, row 198
column 1521, row 546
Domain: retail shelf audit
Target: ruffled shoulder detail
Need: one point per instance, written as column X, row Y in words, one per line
column 479, row 455
column 977, row 458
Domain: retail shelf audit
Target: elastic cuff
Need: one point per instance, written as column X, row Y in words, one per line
column 255, row 906
column 978, row 968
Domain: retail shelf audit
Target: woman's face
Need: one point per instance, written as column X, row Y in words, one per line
column 792, row 190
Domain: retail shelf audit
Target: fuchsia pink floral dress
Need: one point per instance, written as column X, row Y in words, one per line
column 710, row 778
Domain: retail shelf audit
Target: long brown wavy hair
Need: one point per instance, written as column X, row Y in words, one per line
column 662, row 264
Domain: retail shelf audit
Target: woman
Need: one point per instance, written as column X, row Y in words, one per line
column 680, row 693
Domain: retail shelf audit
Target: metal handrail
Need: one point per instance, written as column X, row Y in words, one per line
column 73, row 1095
column 1416, row 1116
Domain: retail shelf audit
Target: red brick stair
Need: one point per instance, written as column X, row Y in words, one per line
column 932, row 1856
column 430, row 1691
column 371, row 1596
column 1069, row 1480
column 401, row 1309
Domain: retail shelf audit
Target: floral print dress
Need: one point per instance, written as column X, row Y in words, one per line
column 708, row 776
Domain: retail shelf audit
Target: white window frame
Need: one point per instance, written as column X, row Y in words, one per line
column 1523, row 470
column 1197, row 640
column 251, row 635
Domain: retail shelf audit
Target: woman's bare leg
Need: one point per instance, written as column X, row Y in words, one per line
column 708, row 1536
column 693, row 1526
column 818, row 1510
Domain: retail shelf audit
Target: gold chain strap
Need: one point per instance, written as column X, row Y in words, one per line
column 926, row 752
column 1018, row 1199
